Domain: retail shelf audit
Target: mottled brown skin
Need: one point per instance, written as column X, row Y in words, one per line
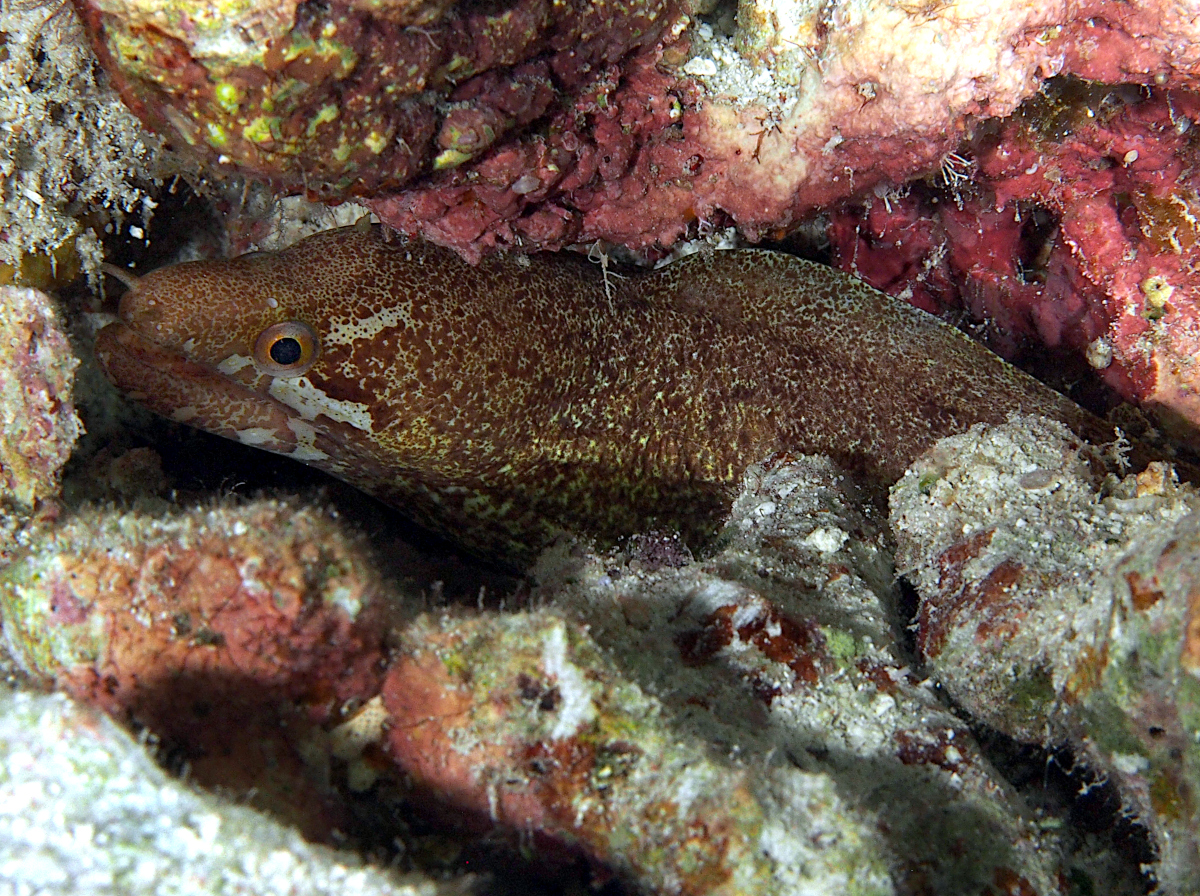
column 502, row 403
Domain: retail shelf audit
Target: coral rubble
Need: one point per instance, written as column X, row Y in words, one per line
column 1056, row 607
column 73, row 160
column 38, row 424
column 778, row 651
column 520, row 719
column 640, row 133
column 742, row 723
column 751, row 709
column 230, row 632
column 85, row 810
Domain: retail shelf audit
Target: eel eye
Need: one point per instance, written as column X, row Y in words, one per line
column 287, row 349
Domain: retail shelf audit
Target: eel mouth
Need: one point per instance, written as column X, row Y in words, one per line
column 140, row 367
column 198, row 395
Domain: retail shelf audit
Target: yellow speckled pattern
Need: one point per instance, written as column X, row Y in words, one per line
column 501, row 403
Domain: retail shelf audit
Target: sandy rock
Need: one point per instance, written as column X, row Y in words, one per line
column 85, row 810
column 1057, row 607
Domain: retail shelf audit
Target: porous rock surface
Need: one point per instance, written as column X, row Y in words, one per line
column 1057, row 606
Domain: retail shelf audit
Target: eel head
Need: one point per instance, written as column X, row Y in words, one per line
column 245, row 349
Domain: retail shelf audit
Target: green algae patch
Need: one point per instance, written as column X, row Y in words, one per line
column 46, row 627
column 841, row 645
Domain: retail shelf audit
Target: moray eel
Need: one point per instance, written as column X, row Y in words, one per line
column 503, row 403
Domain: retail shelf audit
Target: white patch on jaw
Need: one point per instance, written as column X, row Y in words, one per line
column 233, row 364
column 306, row 442
column 307, row 400
column 183, row 415
column 255, row 435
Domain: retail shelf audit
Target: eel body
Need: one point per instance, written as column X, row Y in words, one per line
column 503, row 403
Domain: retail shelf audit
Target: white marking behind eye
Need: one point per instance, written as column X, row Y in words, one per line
column 233, row 364
column 343, row 332
column 307, row 400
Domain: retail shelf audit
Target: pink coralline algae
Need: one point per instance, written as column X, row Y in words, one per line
column 231, row 633
column 641, row 133
column 1080, row 228
column 643, row 129
column 38, row 425
column 353, row 98
column 790, row 111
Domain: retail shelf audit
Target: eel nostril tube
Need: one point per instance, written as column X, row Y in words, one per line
column 129, row 278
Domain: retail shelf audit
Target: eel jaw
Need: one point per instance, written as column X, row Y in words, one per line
column 192, row 393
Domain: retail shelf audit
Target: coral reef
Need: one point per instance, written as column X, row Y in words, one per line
column 1055, row 607
column 231, row 632
column 73, row 160
column 746, row 722
column 1073, row 222
column 749, row 721
column 786, row 111
column 519, row 719
column 38, row 424
column 742, row 723
column 85, row 811
column 758, row 120
column 357, row 98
